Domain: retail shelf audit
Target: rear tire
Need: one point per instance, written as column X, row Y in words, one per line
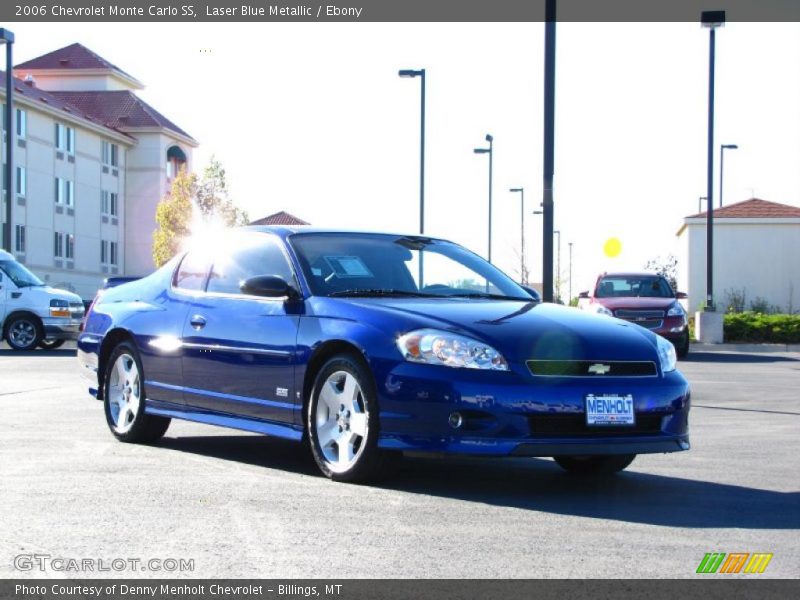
column 594, row 465
column 342, row 421
column 50, row 344
column 24, row 332
column 124, row 399
column 682, row 347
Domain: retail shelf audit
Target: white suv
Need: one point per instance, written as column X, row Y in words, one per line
column 34, row 314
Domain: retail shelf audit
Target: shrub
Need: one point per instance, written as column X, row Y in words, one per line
column 762, row 328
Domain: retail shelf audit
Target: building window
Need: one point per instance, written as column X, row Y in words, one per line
column 110, row 154
column 109, row 206
column 21, row 182
column 176, row 160
column 65, row 138
column 65, row 191
column 108, row 253
column 22, row 123
column 58, row 244
column 69, row 248
column 19, row 243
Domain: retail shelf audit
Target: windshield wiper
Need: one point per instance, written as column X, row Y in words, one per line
column 490, row 296
column 378, row 292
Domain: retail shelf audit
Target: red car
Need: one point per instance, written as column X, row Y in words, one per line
column 646, row 299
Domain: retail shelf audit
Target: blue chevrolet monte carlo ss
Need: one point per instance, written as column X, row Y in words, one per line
column 363, row 345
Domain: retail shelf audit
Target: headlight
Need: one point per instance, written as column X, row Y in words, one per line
column 666, row 354
column 59, row 308
column 434, row 347
column 676, row 311
column 602, row 310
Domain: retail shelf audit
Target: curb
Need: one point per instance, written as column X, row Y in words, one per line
column 697, row 346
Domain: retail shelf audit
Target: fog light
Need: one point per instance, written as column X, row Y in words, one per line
column 455, row 420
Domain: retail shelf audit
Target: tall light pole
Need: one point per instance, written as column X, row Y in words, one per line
column 558, row 265
column 722, row 149
column 548, row 154
column 7, row 38
column 490, row 152
column 421, row 74
column 711, row 19
column 570, row 272
column 522, row 273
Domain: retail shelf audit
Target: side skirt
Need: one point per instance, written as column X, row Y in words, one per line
column 188, row 413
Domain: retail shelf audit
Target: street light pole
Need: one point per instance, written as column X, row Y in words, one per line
column 558, row 266
column 722, row 149
column 7, row 38
column 548, row 153
column 711, row 19
column 522, row 274
column 490, row 152
column 570, row 273
column 421, row 74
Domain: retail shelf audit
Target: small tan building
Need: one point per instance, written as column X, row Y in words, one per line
column 756, row 251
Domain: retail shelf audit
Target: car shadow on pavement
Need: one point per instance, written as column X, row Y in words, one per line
column 38, row 353
column 538, row 485
column 724, row 357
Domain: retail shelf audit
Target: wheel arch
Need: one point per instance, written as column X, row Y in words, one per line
column 320, row 356
column 111, row 340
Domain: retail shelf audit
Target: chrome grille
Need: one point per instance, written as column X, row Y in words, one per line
column 632, row 315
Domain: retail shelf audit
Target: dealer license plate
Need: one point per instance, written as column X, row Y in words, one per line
column 609, row 409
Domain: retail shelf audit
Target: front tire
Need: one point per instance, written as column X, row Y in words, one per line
column 594, row 465
column 682, row 347
column 342, row 421
column 124, row 398
column 24, row 332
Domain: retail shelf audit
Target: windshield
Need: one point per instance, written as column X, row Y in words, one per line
column 358, row 264
column 642, row 287
column 19, row 274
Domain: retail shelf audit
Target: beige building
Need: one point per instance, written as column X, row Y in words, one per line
column 756, row 251
column 92, row 161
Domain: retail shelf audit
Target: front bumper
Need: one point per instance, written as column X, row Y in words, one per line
column 61, row 328
column 516, row 414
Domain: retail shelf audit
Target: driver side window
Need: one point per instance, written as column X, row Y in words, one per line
column 256, row 257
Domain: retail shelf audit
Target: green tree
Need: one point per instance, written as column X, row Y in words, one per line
column 213, row 198
column 173, row 217
column 666, row 267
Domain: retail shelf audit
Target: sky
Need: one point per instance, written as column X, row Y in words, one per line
column 312, row 118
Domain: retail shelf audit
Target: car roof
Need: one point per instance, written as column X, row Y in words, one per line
column 286, row 230
column 631, row 274
column 6, row 256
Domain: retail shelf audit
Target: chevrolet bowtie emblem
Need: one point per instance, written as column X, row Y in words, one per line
column 599, row 369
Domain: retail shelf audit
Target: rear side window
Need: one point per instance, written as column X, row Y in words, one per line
column 192, row 273
column 253, row 256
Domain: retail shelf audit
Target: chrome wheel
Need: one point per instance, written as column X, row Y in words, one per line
column 124, row 392
column 341, row 421
column 22, row 334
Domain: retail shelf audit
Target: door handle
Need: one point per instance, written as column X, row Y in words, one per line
column 197, row 321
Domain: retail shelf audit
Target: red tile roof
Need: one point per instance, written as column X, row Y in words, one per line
column 74, row 56
column 754, row 208
column 51, row 100
column 279, row 218
column 118, row 109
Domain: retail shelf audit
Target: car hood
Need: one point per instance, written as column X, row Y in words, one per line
column 636, row 303
column 519, row 330
column 47, row 293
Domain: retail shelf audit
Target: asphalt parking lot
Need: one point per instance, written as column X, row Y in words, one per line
column 241, row 505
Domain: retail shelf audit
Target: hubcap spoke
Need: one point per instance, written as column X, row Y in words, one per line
column 329, row 395
column 358, row 424
column 345, row 450
column 327, row 433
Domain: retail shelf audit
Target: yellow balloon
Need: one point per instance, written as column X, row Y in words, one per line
column 612, row 247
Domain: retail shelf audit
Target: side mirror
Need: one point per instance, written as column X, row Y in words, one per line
column 533, row 293
column 583, row 295
column 268, row 286
column 681, row 295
